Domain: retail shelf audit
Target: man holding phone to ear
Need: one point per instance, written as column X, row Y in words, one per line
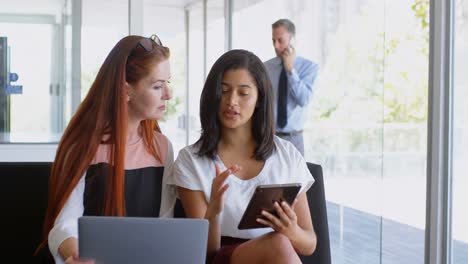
column 292, row 78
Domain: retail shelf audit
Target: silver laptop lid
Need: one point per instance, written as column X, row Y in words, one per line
column 142, row 240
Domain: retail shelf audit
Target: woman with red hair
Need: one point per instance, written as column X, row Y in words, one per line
column 112, row 159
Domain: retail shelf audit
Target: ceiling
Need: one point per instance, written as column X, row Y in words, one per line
column 42, row 7
column 54, row 7
column 51, row 7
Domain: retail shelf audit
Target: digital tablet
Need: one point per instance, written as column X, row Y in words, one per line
column 263, row 199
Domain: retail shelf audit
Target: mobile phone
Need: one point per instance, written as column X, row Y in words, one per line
column 291, row 44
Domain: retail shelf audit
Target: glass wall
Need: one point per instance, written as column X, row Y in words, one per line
column 31, row 91
column 460, row 136
column 100, row 31
column 367, row 119
column 169, row 24
column 215, row 32
column 366, row 123
column 45, row 69
column 405, row 101
column 200, row 59
column 196, row 64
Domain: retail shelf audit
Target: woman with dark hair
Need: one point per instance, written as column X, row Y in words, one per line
column 112, row 159
column 237, row 151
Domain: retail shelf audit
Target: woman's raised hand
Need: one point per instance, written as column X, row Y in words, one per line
column 218, row 188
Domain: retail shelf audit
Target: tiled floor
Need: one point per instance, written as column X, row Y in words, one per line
column 360, row 240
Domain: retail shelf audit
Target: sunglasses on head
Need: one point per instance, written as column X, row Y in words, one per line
column 147, row 43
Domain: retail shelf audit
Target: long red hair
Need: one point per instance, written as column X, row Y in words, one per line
column 103, row 112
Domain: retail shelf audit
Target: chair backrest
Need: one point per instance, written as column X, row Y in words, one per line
column 318, row 212
column 23, row 192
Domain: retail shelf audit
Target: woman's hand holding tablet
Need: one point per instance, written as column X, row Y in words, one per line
column 264, row 198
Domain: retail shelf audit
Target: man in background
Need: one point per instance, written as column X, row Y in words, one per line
column 292, row 78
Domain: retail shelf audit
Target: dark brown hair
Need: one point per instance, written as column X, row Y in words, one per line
column 263, row 129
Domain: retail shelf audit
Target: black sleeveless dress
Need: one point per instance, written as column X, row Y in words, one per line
column 143, row 188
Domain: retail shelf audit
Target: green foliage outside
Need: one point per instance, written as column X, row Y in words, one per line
column 372, row 89
column 379, row 71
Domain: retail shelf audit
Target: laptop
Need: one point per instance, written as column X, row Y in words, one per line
column 142, row 239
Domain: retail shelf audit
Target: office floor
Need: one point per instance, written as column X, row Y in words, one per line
column 359, row 239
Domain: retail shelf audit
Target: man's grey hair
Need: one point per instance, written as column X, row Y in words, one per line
column 287, row 24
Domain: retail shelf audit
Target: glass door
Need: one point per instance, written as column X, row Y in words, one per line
column 460, row 136
column 29, row 109
column 33, row 71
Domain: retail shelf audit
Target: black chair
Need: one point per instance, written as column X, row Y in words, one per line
column 318, row 212
column 23, row 192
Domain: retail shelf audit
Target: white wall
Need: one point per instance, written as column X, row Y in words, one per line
column 27, row 152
